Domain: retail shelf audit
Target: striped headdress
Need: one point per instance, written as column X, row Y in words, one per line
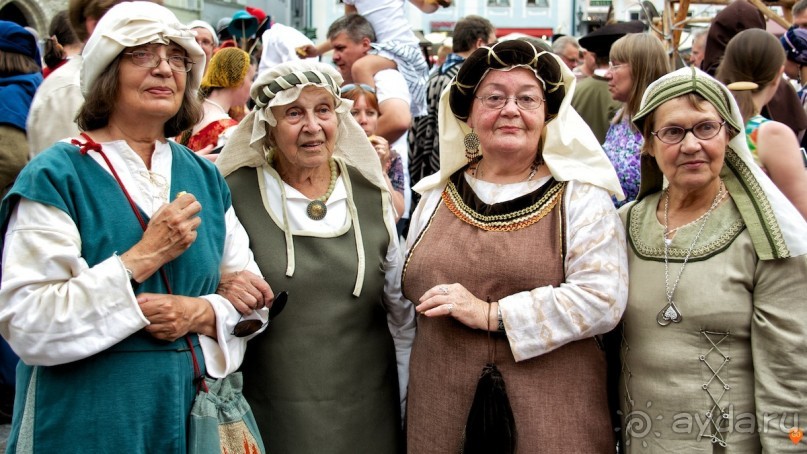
column 776, row 228
column 264, row 94
column 681, row 82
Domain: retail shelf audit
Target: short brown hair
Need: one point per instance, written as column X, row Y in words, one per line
column 468, row 30
column 13, row 64
column 99, row 103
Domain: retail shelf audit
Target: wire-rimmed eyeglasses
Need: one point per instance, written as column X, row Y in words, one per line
column 704, row 130
column 147, row 59
column 524, row 102
column 612, row 67
column 248, row 326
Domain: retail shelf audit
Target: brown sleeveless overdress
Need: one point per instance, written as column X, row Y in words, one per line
column 558, row 399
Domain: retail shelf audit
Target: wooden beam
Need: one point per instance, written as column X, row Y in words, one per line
column 683, row 9
column 771, row 15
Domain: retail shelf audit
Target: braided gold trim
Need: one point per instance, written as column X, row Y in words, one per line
column 761, row 204
column 705, row 251
column 503, row 222
column 726, row 237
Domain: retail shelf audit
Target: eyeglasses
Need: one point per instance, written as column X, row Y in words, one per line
column 524, row 102
column 612, row 67
column 348, row 87
column 146, row 59
column 704, row 130
column 250, row 326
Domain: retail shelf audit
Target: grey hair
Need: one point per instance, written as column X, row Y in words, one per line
column 560, row 44
column 354, row 25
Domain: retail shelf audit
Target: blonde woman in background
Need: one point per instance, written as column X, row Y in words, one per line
column 637, row 59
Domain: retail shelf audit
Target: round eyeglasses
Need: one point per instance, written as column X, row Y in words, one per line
column 146, row 59
column 704, row 130
column 524, row 102
column 612, row 67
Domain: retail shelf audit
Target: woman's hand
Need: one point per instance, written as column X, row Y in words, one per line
column 307, row 51
column 246, row 291
column 456, row 301
column 173, row 316
column 169, row 233
column 382, row 148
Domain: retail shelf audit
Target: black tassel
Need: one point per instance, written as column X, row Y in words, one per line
column 490, row 428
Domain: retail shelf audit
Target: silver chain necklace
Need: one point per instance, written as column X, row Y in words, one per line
column 670, row 312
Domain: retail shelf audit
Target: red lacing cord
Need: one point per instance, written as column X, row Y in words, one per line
column 95, row 146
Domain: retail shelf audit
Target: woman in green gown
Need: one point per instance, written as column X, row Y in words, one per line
column 714, row 332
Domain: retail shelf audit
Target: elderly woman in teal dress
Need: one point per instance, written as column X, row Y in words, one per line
column 103, row 310
column 715, row 328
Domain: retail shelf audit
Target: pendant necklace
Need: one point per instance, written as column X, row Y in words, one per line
column 316, row 209
column 670, row 312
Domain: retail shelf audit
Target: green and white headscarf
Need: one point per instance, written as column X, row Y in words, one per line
column 777, row 229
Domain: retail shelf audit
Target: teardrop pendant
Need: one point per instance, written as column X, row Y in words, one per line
column 669, row 314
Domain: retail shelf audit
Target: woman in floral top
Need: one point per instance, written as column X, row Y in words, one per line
column 637, row 59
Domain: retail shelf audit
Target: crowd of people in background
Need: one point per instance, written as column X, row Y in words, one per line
column 586, row 222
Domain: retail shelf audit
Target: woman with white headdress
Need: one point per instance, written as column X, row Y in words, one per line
column 715, row 328
column 309, row 189
column 516, row 256
column 114, row 245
